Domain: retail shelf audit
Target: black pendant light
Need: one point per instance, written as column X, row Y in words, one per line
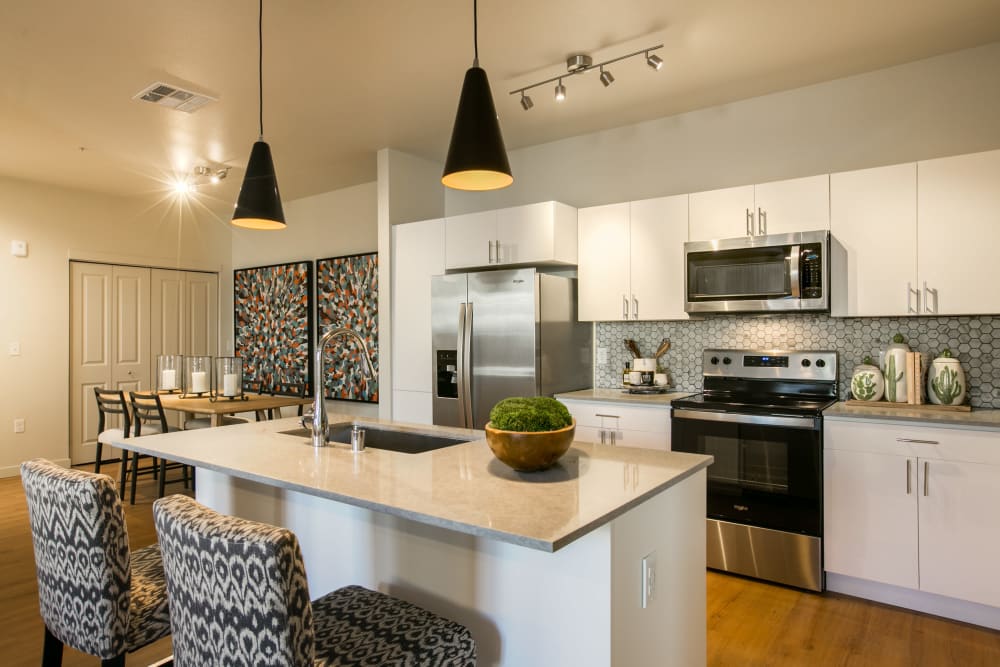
column 259, row 204
column 477, row 159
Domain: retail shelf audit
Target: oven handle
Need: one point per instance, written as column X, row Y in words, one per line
column 808, row 423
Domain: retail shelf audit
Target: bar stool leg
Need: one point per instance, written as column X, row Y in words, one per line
column 135, row 475
column 97, row 463
column 124, row 470
column 162, row 482
column 52, row 651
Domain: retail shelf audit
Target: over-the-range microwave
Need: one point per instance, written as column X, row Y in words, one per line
column 758, row 274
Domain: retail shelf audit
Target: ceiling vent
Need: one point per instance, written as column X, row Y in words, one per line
column 173, row 97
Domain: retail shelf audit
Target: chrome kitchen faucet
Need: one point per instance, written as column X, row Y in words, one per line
column 317, row 421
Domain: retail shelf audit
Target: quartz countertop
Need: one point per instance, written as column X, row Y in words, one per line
column 978, row 418
column 619, row 396
column 462, row 487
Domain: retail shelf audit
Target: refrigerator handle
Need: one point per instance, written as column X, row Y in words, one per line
column 466, row 367
column 460, row 375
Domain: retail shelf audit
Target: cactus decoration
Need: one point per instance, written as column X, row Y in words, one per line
column 867, row 383
column 946, row 381
column 947, row 386
column 891, row 377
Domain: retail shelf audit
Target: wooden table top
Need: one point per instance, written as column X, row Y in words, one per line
column 224, row 406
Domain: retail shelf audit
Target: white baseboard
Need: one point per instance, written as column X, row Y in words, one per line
column 928, row 603
column 15, row 471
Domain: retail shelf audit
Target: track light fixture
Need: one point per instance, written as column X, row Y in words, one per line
column 580, row 63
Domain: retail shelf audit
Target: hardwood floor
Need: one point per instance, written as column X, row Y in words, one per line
column 749, row 623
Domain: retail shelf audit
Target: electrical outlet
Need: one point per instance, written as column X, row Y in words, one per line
column 14, row 349
column 19, row 425
column 648, row 579
column 602, row 356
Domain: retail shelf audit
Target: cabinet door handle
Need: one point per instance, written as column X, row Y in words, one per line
column 927, row 299
column 608, row 416
column 761, row 222
column 603, row 437
column 909, row 299
column 927, row 470
column 635, row 308
column 749, row 222
column 491, row 251
column 624, row 307
column 915, row 441
column 909, row 487
column 613, row 434
column 498, row 251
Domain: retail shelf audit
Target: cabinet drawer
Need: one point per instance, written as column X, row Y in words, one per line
column 640, row 439
column 622, row 417
column 920, row 440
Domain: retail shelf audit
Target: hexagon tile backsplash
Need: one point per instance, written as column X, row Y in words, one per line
column 971, row 340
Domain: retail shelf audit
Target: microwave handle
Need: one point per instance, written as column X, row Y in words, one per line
column 793, row 271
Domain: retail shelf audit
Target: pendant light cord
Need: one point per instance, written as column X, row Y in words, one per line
column 260, row 67
column 475, row 32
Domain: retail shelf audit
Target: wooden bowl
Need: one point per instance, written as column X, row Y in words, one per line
column 528, row 452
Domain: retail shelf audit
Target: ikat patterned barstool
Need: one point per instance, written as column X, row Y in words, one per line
column 94, row 594
column 239, row 596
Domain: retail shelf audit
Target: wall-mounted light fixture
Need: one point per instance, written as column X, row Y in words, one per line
column 579, row 63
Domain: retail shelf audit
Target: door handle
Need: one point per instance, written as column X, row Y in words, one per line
column 927, row 299
column 624, row 307
column 498, row 251
column 909, row 299
column 908, row 484
column 491, row 251
column 613, row 434
column 761, row 222
column 470, row 417
column 749, row 222
column 915, row 441
column 604, row 437
column 635, row 308
column 461, row 366
column 927, row 470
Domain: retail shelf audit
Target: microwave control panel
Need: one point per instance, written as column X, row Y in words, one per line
column 811, row 271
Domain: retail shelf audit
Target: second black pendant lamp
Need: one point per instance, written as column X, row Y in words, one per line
column 259, row 204
column 477, row 159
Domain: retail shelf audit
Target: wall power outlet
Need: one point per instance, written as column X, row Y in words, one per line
column 19, row 425
column 648, row 578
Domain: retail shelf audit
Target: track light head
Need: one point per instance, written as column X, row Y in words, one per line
column 654, row 61
column 606, row 78
column 526, row 102
column 560, row 91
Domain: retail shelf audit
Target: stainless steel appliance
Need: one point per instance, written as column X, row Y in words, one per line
column 504, row 333
column 760, row 416
column 781, row 272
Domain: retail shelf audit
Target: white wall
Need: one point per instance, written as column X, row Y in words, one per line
column 940, row 106
column 335, row 223
column 61, row 224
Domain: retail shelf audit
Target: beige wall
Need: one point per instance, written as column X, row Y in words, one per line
column 340, row 222
column 61, row 224
column 945, row 105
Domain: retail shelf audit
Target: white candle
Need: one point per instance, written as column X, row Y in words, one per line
column 168, row 379
column 199, row 384
column 230, row 386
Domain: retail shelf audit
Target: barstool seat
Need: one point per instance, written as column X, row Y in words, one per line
column 239, row 596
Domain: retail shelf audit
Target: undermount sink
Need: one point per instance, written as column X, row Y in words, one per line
column 385, row 437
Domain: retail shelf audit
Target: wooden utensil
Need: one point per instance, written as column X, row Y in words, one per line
column 662, row 349
column 632, row 347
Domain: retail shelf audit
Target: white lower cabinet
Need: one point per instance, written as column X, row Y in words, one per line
column 913, row 506
column 621, row 425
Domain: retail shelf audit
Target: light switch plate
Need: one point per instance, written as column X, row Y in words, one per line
column 19, row 248
column 19, row 425
column 602, row 355
column 648, row 579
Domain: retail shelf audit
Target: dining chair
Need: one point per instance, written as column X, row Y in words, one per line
column 266, row 617
column 148, row 419
column 94, row 594
column 288, row 389
column 111, row 402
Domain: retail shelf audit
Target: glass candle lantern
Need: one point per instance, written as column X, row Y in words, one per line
column 197, row 375
column 169, row 369
column 229, row 378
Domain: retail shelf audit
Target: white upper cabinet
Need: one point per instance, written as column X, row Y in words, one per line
column 779, row 207
column 958, row 231
column 873, row 215
column 542, row 233
column 631, row 264
column 603, row 273
column 917, row 238
column 722, row 214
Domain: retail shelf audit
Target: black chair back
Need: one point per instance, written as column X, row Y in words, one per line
column 292, row 389
column 112, row 402
column 146, row 408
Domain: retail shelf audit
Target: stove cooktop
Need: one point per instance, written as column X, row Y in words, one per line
column 769, row 405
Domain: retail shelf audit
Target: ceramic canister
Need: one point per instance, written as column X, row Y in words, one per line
column 893, row 362
column 867, row 383
column 946, row 381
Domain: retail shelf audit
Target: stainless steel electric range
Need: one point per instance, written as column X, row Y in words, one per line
column 760, row 416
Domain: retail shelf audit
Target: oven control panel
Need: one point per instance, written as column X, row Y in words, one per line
column 771, row 364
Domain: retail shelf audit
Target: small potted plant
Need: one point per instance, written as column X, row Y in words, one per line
column 530, row 433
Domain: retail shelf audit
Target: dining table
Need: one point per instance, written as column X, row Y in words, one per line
column 217, row 408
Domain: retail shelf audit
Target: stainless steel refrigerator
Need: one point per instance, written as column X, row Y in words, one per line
column 504, row 333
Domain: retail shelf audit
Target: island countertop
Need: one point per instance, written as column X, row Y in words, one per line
column 461, row 488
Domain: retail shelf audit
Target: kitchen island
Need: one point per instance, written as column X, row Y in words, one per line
column 544, row 568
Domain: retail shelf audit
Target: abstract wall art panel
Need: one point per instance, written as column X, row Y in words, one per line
column 347, row 296
column 273, row 323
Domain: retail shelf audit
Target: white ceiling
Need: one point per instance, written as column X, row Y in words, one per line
column 344, row 78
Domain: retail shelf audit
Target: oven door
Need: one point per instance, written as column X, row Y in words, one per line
column 767, row 470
